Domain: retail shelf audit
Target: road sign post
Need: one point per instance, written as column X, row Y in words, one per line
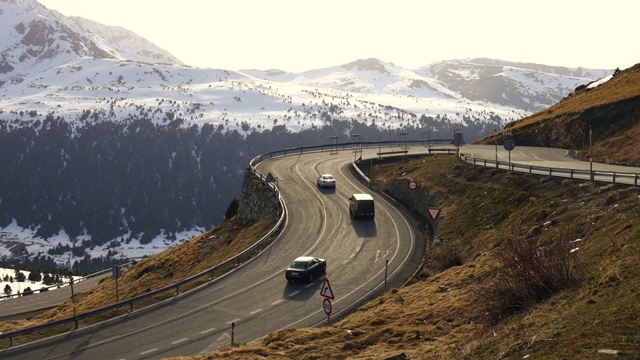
column 326, row 305
column 509, row 145
column 434, row 213
column 327, row 293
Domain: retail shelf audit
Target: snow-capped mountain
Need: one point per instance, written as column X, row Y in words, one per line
column 35, row 38
column 125, row 45
column 108, row 140
column 525, row 86
column 66, row 67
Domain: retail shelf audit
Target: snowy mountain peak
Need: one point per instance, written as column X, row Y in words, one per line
column 37, row 39
column 126, row 45
column 370, row 64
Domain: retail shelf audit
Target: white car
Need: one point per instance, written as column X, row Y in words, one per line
column 326, row 180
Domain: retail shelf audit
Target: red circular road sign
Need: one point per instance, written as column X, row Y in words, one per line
column 413, row 185
column 326, row 304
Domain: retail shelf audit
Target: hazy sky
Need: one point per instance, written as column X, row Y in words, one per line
column 299, row 35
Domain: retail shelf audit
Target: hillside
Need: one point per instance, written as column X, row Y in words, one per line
column 149, row 150
column 611, row 108
column 454, row 307
column 447, row 311
column 452, row 310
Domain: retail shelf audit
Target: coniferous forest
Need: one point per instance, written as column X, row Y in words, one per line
column 115, row 181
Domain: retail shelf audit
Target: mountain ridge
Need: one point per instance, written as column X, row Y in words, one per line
column 85, row 104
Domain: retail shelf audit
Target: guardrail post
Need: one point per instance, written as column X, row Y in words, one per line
column 613, row 178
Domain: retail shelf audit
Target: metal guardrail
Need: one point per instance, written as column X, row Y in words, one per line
column 57, row 286
column 225, row 267
column 250, row 252
column 356, row 145
column 600, row 176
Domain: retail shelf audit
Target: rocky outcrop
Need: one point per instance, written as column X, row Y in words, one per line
column 258, row 199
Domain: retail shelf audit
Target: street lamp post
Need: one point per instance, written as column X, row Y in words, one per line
column 334, row 139
column 404, row 134
column 356, row 145
column 428, row 133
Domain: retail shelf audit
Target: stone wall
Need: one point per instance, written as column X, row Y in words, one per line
column 257, row 199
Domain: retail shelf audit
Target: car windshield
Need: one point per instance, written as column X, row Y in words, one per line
column 327, row 177
column 299, row 265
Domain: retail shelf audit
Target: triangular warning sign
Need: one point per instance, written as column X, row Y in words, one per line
column 434, row 213
column 269, row 178
column 326, row 289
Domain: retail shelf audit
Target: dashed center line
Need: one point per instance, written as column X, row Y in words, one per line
column 255, row 312
column 233, row 321
column 148, row 351
column 207, row 331
column 179, row 341
column 277, row 302
column 294, row 293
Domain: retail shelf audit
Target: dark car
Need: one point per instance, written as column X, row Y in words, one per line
column 306, row 268
column 326, row 180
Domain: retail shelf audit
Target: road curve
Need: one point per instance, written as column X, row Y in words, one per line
column 27, row 306
column 256, row 298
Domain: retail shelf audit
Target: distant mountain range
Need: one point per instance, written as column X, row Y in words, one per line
column 109, row 140
column 52, row 64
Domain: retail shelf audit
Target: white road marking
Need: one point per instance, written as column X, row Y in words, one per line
column 207, row 331
column 148, row 351
column 255, row 312
column 294, row 293
column 277, row 302
column 179, row 341
column 233, row 321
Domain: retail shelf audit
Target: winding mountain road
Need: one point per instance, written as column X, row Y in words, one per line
column 256, row 298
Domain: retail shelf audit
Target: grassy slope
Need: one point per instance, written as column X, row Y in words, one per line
column 438, row 315
column 163, row 269
column 611, row 109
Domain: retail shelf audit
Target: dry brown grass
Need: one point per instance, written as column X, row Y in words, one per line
column 168, row 267
column 438, row 315
column 619, row 88
column 612, row 110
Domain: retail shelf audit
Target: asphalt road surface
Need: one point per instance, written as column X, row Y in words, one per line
column 26, row 306
column 256, row 299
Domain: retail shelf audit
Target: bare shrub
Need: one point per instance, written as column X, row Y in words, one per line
column 528, row 271
column 447, row 257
